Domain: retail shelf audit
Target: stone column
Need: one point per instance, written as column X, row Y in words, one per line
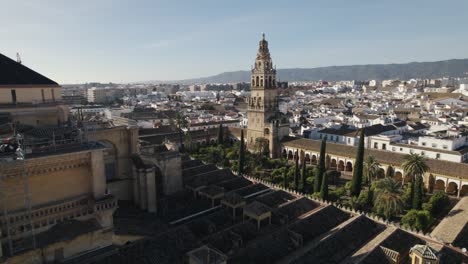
column 151, row 190
column 98, row 180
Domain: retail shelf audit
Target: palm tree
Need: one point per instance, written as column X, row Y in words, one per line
column 415, row 166
column 181, row 123
column 387, row 198
column 371, row 168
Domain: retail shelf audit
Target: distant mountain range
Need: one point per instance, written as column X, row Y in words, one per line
column 404, row 71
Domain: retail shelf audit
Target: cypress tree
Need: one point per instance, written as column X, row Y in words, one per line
column 285, row 177
column 320, row 169
column 296, row 172
column 324, row 187
column 304, row 174
column 390, row 172
column 418, row 193
column 356, row 182
column 220, row 134
column 241, row 154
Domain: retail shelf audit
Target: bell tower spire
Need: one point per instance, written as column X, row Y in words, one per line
column 263, row 125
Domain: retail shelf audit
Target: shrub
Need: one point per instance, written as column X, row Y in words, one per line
column 363, row 201
column 417, row 219
column 335, row 195
column 407, row 197
column 348, row 186
column 438, row 202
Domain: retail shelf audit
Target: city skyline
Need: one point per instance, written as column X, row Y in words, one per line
column 126, row 42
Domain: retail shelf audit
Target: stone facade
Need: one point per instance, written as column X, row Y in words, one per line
column 121, row 143
column 66, row 187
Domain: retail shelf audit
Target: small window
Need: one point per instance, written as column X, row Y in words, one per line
column 445, row 147
column 401, row 149
column 376, row 145
column 393, row 148
column 434, row 145
column 438, row 156
column 424, row 144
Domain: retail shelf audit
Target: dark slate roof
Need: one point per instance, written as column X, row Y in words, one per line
column 417, row 125
column 341, row 131
column 343, row 243
column 373, row 130
column 14, row 73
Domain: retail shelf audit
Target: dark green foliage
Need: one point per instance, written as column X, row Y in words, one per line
column 407, row 196
column 415, row 219
column 415, row 166
column 387, row 198
column 437, row 203
column 335, row 195
column 356, row 182
column 241, row 154
column 417, row 193
column 363, row 201
column 220, row 134
column 296, row 172
column 304, row 174
column 285, row 179
column 317, row 179
column 320, row 169
column 324, row 187
column 390, row 172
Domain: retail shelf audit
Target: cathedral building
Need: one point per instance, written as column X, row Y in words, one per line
column 266, row 124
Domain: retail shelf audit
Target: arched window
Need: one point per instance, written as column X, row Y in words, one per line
column 253, row 81
column 257, row 81
column 269, row 82
column 261, row 82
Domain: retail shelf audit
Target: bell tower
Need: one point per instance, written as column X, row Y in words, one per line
column 264, row 118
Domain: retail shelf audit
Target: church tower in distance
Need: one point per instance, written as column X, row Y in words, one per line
column 266, row 125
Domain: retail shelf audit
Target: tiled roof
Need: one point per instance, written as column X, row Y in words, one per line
column 454, row 224
column 256, row 208
column 443, row 167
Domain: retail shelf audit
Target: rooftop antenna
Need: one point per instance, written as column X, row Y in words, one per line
column 18, row 58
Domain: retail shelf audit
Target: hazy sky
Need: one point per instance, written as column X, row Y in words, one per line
column 74, row 41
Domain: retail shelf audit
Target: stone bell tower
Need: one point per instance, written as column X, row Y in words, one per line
column 265, row 122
